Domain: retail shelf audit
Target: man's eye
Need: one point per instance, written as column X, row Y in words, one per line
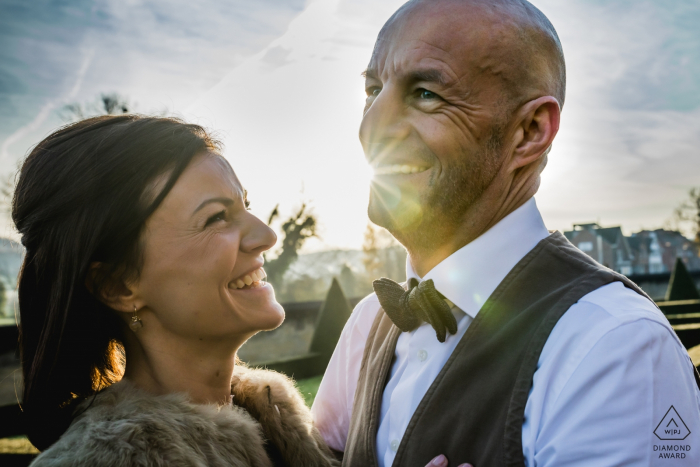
column 373, row 91
column 219, row 216
column 425, row 94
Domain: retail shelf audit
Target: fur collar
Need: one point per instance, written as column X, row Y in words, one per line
column 267, row 425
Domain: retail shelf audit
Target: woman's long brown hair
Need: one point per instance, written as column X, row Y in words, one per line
column 83, row 197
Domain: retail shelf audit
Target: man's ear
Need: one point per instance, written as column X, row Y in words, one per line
column 538, row 124
column 108, row 289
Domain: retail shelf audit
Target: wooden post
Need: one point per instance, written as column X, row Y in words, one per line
column 334, row 313
column 332, row 316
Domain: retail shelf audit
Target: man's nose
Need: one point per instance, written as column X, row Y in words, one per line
column 384, row 122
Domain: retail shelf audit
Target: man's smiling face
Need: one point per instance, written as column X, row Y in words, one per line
column 432, row 128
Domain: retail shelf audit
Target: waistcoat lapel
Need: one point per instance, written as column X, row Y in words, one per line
column 360, row 449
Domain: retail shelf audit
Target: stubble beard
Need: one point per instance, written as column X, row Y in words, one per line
column 431, row 218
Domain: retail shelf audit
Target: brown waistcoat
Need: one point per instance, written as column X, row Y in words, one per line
column 474, row 410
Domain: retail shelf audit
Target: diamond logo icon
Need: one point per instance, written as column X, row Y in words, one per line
column 671, row 427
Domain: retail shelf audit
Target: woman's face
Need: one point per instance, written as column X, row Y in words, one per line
column 202, row 249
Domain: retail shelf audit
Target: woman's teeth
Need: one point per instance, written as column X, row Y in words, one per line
column 250, row 280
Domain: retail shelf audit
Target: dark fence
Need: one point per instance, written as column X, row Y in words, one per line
column 8, row 339
column 331, row 317
column 656, row 285
column 681, row 307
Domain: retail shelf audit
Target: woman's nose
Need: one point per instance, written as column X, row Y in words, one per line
column 258, row 237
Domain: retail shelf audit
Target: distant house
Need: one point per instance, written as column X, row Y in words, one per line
column 644, row 252
column 607, row 245
column 662, row 248
column 647, row 253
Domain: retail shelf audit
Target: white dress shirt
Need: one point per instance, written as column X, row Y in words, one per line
column 608, row 374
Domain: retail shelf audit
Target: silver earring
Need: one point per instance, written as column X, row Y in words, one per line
column 136, row 322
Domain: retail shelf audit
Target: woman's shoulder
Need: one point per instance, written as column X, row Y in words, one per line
column 124, row 426
column 273, row 400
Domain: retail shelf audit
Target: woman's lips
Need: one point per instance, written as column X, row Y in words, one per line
column 249, row 281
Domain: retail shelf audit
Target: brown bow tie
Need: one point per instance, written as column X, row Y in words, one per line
column 420, row 303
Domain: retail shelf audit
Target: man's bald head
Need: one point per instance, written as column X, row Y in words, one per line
column 463, row 102
column 509, row 40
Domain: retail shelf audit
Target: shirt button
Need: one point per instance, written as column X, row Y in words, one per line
column 422, row 355
column 394, row 445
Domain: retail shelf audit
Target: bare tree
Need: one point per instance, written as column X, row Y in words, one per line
column 7, row 190
column 687, row 215
column 107, row 104
column 295, row 231
column 376, row 240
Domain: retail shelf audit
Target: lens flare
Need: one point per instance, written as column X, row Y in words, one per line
column 398, row 205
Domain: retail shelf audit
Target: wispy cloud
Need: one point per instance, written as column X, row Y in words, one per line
column 280, row 80
column 46, row 110
column 627, row 150
column 160, row 53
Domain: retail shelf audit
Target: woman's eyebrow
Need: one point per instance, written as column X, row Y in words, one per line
column 225, row 201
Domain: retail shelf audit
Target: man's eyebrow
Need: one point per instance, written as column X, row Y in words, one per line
column 430, row 75
column 370, row 73
column 225, row 201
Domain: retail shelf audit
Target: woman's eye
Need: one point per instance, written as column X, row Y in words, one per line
column 425, row 94
column 219, row 216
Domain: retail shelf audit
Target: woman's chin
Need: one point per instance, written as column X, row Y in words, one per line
column 271, row 317
column 263, row 310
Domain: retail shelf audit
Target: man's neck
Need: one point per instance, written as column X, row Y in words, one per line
column 423, row 260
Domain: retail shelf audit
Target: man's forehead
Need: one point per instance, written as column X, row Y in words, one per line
column 413, row 59
column 457, row 39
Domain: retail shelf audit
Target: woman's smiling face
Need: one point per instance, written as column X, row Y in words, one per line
column 202, row 254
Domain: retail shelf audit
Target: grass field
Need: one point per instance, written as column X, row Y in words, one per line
column 309, row 388
column 21, row 445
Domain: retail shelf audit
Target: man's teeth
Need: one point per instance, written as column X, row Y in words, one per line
column 248, row 279
column 398, row 169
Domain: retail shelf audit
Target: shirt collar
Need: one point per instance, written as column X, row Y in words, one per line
column 469, row 275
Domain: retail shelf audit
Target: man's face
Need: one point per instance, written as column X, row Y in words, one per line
column 431, row 129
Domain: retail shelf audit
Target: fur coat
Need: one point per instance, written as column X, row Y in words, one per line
column 267, row 425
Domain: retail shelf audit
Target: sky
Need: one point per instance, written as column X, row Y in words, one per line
column 279, row 81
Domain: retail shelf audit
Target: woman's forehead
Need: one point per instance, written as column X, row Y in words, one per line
column 207, row 174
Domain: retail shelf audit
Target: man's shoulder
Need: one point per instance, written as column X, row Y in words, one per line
column 607, row 313
column 608, row 308
column 623, row 305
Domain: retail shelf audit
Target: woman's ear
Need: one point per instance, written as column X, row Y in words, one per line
column 108, row 289
column 538, row 125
